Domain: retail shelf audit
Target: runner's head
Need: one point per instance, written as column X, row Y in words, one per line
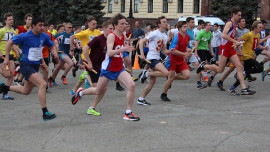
column 242, row 23
column 68, row 27
column 207, row 26
column 51, row 27
column 182, row 26
column 190, row 22
column 161, row 22
column 38, row 25
column 257, row 26
column 28, row 19
column 9, row 19
column 107, row 27
column 46, row 27
column 119, row 22
column 60, row 28
column 201, row 24
column 236, row 13
column 92, row 23
column 215, row 26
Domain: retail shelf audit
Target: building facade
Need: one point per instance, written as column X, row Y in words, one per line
column 150, row 9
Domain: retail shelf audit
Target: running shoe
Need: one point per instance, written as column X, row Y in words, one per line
column 205, row 78
column 250, row 79
column 64, row 80
column 143, row 77
column 131, row 116
column 220, row 86
column 143, row 102
column 233, row 92
column 54, row 83
column 76, row 97
column 164, row 97
column 71, row 92
column 7, row 97
column 93, row 112
column 48, row 116
column 134, row 78
column 201, row 86
column 50, row 81
column 119, row 88
column 263, row 75
column 200, row 67
column 209, row 83
column 87, row 84
column 247, row 92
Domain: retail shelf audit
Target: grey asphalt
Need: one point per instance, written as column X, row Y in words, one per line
column 205, row 120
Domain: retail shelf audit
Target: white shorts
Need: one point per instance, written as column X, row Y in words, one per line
column 193, row 58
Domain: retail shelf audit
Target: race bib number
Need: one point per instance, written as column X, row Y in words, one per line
column 67, row 41
column 35, row 54
column 8, row 36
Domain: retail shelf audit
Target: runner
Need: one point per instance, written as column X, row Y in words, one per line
column 227, row 51
column 113, row 69
column 64, row 54
column 31, row 43
column 251, row 66
column 157, row 42
column 6, row 34
column 176, row 65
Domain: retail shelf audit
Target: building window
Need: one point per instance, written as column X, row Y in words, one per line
column 136, row 6
column 110, row 6
column 123, row 6
column 150, row 6
column 196, row 8
column 180, row 6
column 165, row 6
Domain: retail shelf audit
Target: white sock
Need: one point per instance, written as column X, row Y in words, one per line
column 141, row 98
column 80, row 94
column 205, row 74
column 146, row 74
column 91, row 107
column 128, row 111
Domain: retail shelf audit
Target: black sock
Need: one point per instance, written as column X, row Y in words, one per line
column 44, row 110
column 164, row 94
column 199, row 82
column 220, row 81
column 212, row 78
column 117, row 84
column 261, row 63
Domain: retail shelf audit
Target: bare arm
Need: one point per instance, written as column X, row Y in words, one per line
column 110, row 43
column 72, row 46
column 225, row 33
column 141, row 43
column 87, row 58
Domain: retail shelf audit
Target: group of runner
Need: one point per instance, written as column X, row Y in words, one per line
column 104, row 56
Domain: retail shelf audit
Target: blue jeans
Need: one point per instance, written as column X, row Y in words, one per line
column 216, row 52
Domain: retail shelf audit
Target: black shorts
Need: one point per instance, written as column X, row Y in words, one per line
column 204, row 55
column 10, row 58
column 94, row 77
column 258, row 52
column 28, row 69
column 47, row 61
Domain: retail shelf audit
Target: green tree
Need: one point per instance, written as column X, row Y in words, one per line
column 81, row 9
column 222, row 9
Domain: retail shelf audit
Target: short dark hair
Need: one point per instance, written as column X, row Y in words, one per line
column 189, row 19
column 106, row 23
column 216, row 24
column 28, row 15
column 200, row 22
column 37, row 20
column 59, row 26
column 207, row 23
column 116, row 18
column 7, row 15
column 158, row 21
column 263, row 21
column 235, row 10
column 181, row 23
column 90, row 18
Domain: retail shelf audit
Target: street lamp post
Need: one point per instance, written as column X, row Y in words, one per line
column 130, row 10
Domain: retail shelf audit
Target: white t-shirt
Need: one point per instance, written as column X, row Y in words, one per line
column 215, row 42
column 268, row 44
column 156, row 41
column 196, row 31
column 174, row 31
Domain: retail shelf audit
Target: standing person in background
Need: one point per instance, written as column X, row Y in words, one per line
column 28, row 21
column 216, row 41
column 137, row 32
column 198, row 28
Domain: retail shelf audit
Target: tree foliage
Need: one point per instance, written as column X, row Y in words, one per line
column 53, row 11
column 221, row 8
